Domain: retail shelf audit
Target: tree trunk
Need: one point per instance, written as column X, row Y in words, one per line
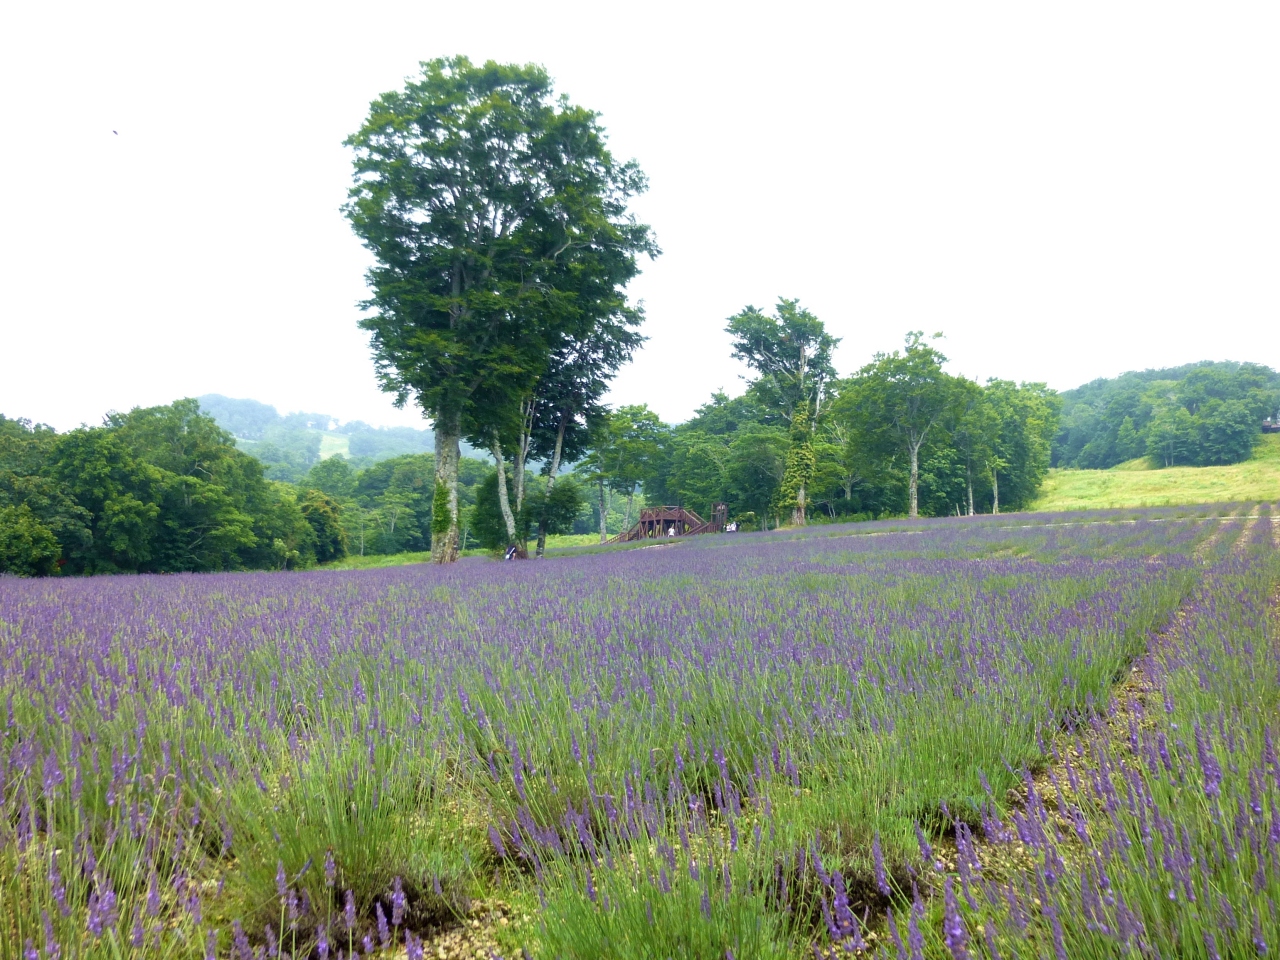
column 551, row 482
column 604, row 513
column 626, row 518
column 797, row 512
column 913, row 510
column 995, row 492
column 969, row 476
column 448, row 430
column 504, row 498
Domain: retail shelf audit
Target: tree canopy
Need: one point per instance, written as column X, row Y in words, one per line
column 158, row 489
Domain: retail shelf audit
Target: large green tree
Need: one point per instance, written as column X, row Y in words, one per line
column 483, row 198
column 1024, row 420
column 898, row 400
column 790, row 351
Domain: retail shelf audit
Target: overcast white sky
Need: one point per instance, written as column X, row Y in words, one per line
column 1067, row 190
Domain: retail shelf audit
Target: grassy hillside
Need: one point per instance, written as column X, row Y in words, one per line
column 1135, row 484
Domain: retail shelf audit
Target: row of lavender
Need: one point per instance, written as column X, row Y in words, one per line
column 1157, row 831
column 737, row 739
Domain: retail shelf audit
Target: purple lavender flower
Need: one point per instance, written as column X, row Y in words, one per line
column 102, row 911
column 1209, row 766
column 954, row 933
column 882, row 880
column 240, row 942
column 926, row 849
column 330, row 869
column 496, row 839
column 915, row 939
column 397, row 902
column 51, row 947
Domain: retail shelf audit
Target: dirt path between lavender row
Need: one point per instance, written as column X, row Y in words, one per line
column 1129, row 704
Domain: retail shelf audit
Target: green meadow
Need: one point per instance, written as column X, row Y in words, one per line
column 1137, row 484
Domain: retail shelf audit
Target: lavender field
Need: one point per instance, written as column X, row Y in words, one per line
column 1033, row 736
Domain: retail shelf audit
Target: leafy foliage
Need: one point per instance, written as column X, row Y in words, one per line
column 158, row 489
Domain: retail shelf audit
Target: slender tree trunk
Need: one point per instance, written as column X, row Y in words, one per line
column 968, row 472
column 504, row 499
column 604, row 513
column 551, row 482
column 626, row 517
column 448, row 430
column 995, row 492
column 913, row 510
column 522, row 450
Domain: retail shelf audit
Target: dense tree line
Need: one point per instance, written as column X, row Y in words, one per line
column 1199, row 414
column 387, row 506
column 158, row 489
column 899, row 437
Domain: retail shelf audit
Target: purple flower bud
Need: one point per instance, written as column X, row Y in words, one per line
column 496, row 839
column 240, row 942
column 282, row 882
column 384, row 932
column 882, row 881
column 330, row 869
column 926, row 850
column 1209, row 766
column 915, row 939
column 397, row 902
column 349, row 912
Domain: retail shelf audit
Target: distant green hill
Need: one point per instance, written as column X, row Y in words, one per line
column 1198, row 414
column 289, row 444
column 1136, row 484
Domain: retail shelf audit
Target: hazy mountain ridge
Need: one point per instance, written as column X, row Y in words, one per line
column 290, row 444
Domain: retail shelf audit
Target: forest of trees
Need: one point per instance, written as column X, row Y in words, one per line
column 1199, row 414
column 155, row 490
